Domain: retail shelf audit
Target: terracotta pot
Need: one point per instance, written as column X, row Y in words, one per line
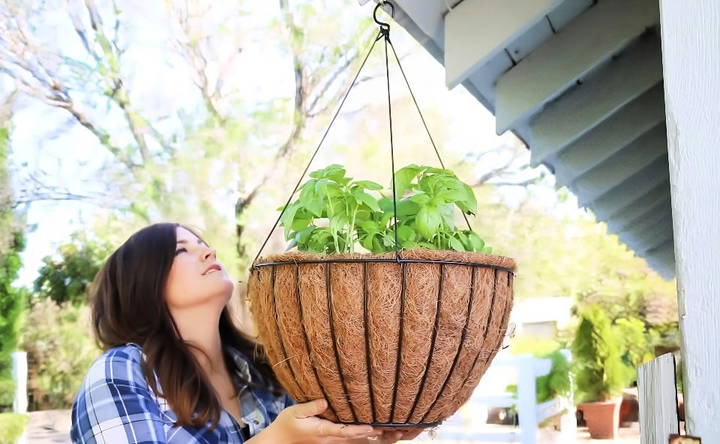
column 629, row 411
column 387, row 342
column 602, row 418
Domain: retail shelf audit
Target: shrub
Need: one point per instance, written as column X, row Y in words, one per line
column 12, row 308
column 60, row 350
column 67, row 275
column 7, row 392
column 557, row 381
column 12, row 426
column 599, row 371
column 635, row 343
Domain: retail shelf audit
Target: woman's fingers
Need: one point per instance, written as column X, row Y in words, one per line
column 308, row 409
column 306, row 417
column 331, row 429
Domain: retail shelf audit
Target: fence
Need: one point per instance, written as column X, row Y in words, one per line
column 530, row 413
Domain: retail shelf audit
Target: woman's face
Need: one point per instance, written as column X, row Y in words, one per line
column 196, row 277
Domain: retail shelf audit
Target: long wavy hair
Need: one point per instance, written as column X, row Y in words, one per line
column 128, row 305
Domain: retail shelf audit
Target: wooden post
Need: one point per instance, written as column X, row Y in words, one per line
column 657, row 397
column 691, row 67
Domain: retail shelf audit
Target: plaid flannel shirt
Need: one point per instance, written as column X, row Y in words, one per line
column 115, row 405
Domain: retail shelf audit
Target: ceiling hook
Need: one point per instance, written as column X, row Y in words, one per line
column 383, row 25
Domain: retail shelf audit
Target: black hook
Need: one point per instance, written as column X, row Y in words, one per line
column 384, row 26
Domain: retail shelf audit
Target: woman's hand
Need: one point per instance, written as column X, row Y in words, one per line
column 299, row 424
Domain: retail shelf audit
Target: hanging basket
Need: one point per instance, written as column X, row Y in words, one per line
column 398, row 340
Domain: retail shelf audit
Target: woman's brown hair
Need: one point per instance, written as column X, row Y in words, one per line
column 128, row 305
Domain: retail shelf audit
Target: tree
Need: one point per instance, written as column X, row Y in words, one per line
column 12, row 300
column 600, row 374
column 174, row 164
column 67, row 278
column 60, row 348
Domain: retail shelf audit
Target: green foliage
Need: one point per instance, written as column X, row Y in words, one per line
column 12, row 426
column 599, row 371
column 12, row 306
column 60, row 350
column 7, row 392
column 636, row 344
column 331, row 196
column 12, row 300
column 66, row 278
column 557, row 381
column 333, row 213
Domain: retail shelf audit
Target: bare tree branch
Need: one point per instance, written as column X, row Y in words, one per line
column 501, row 175
column 33, row 188
column 189, row 45
column 312, row 94
column 522, row 183
column 107, row 56
column 37, row 72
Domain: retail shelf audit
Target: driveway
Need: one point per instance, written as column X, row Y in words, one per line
column 48, row 427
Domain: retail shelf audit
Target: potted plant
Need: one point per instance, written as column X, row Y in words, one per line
column 385, row 308
column 599, row 373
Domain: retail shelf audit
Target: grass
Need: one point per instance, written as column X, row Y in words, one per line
column 12, row 426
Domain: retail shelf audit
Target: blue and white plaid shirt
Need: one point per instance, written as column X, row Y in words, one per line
column 115, row 405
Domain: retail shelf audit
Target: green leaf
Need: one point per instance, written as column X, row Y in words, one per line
column 404, row 178
column 471, row 202
column 463, row 238
column 420, row 198
column 457, row 195
column 338, row 222
column 427, row 221
column 369, row 226
column 301, row 237
column 406, row 234
column 321, row 240
column 311, row 200
column 326, row 187
column 409, row 244
column 456, row 244
column 365, row 198
column 388, row 240
column 333, row 171
column 368, row 185
column 300, row 224
column 407, row 209
column 367, row 241
column 288, row 216
column 475, row 241
column 448, row 215
column 378, row 247
column 386, row 204
column 438, row 171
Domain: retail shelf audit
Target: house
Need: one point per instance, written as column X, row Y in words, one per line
column 541, row 317
column 620, row 100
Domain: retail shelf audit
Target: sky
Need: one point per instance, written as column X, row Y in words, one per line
column 72, row 155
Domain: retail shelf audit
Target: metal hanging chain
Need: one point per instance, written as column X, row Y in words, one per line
column 307, row 167
column 384, row 33
column 432, row 141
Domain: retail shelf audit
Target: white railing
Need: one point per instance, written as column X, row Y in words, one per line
column 530, row 414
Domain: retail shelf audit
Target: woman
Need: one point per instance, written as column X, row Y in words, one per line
column 175, row 368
